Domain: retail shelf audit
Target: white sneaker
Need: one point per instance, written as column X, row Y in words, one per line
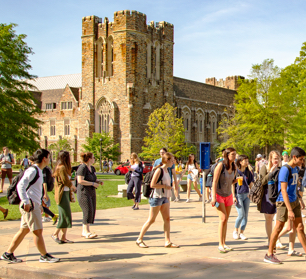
column 200, row 199
column 235, row 235
column 187, row 200
column 242, row 236
column 177, row 200
column 45, row 219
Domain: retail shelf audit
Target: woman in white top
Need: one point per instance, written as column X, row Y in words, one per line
column 159, row 202
column 192, row 169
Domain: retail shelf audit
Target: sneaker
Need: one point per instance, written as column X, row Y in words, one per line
column 10, row 258
column 242, row 236
column 200, row 199
column 45, row 219
column 235, row 235
column 271, row 259
column 187, row 200
column 54, row 219
column 177, row 200
column 48, row 259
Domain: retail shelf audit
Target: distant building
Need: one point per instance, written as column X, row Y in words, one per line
column 127, row 72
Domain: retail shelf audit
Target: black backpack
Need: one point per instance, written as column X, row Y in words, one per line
column 147, row 190
column 12, row 193
column 273, row 192
column 210, row 175
column 48, row 178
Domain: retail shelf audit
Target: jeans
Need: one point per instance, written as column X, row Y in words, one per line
column 243, row 210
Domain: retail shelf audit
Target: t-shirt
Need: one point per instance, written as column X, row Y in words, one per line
column 88, row 175
column 9, row 157
column 248, row 178
column 25, row 162
column 292, row 183
column 158, row 161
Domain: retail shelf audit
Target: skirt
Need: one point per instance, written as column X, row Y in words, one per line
column 64, row 212
column 267, row 207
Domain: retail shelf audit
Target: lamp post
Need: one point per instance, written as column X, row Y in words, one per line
column 101, row 154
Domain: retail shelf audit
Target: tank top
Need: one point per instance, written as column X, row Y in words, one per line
column 224, row 188
column 159, row 193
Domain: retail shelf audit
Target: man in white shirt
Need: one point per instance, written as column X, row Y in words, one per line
column 30, row 208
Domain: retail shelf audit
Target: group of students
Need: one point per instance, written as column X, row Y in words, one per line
column 30, row 192
column 226, row 192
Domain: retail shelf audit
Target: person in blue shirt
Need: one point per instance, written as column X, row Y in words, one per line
column 288, row 204
column 158, row 163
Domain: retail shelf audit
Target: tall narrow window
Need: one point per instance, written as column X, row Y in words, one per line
column 52, row 127
column 148, row 45
column 157, row 61
column 104, row 117
column 110, row 56
column 67, row 127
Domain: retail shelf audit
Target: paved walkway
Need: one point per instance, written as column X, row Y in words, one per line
column 114, row 253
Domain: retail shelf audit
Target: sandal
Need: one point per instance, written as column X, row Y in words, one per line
column 141, row 244
column 226, row 248
column 56, row 239
column 67, row 241
column 89, row 235
column 280, row 246
column 222, row 250
column 172, row 245
column 295, row 253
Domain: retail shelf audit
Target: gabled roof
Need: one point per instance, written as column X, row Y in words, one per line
column 51, row 96
column 57, row 82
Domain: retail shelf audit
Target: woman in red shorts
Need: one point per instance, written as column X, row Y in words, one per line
column 222, row 197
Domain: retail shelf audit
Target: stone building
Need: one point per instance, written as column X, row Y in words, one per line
column 127, row 72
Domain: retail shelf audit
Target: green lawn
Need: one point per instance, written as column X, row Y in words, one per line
column 103, row 200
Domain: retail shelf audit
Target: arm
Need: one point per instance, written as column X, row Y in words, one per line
column 45, row 191
column 174, row 178
column 24, row 183
column 217, row 173
column 184, row 171
column 84, row 182
column 154, row 181
column 286, row 200
column 264, row 174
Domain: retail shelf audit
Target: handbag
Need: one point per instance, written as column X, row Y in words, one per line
column 72, row 196
column 256, row 191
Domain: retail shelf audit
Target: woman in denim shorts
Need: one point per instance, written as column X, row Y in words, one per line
column 159, row 201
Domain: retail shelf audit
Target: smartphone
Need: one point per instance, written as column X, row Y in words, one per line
column 217, row 204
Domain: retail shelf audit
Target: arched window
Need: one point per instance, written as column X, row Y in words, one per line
column 186, row 115
column 200, row 125
column 104, row 116
column 100, row 53
column 213, row 126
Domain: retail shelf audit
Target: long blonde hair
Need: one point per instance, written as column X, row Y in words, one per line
column 274, row 152
column 135, row 158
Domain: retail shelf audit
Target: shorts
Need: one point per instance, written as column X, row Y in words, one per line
column 8, row 172
column 282, row 211
column 189, row 177
column 157, row 201
column 31, row 220
column 228, row 201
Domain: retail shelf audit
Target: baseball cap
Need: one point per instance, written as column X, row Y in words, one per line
column 259, row 156
column 285, row 153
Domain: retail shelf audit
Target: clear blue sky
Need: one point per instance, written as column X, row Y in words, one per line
column 212, row 38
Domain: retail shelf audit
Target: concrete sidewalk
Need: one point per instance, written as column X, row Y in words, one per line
column 114, row 253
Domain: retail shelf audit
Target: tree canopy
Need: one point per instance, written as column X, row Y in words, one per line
column 165, row 130
column 61, row 144
column 18, row 108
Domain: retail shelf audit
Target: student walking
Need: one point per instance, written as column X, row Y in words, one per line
column 136, row 178
column 6, row 161
column 265, row 206
column 86, row 192
column 62, row 194
column 222, row 197
column 241, row 199
column 193, row 170
column 30, row 210
column 159, row 202
column 287, row 203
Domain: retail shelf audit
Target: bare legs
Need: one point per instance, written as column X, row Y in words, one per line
column 269, row 225
column 223, row 212
column 195, row 185
column 165, row 212
column 64, row 233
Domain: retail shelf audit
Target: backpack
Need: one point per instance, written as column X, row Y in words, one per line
column 147, row 190
column 273, row 192
column 127, row 177
column 210, row 175
column 256, row 191
column 48, row 178
column 12, row 193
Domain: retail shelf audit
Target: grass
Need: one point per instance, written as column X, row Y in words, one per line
column 104, row 201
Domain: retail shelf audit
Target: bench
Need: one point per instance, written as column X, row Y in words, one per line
column 183, row 185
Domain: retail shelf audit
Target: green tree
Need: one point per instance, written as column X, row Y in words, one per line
column 61, row 144
column 293, row 79
column 261, row 111
column 18, row 108
column 109, row 149
column 165, row 130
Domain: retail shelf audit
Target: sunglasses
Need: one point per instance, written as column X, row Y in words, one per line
column 168, row 159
